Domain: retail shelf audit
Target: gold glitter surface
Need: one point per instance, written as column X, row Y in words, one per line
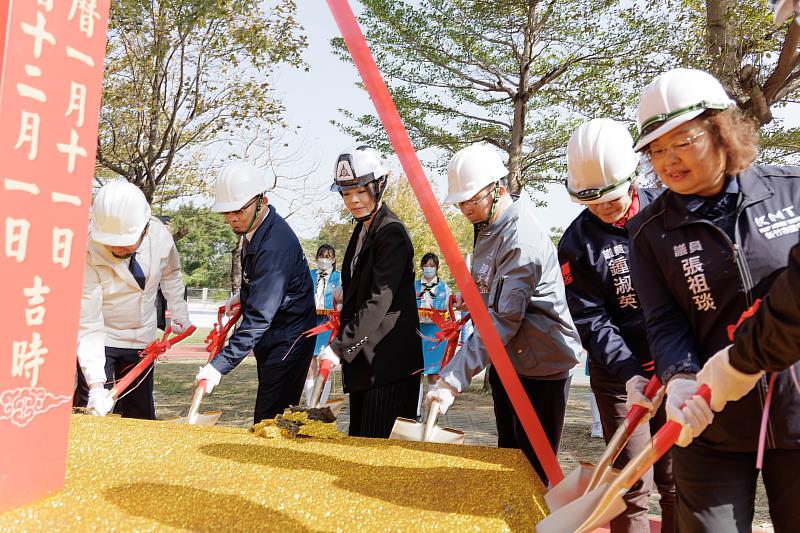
column 134, row 475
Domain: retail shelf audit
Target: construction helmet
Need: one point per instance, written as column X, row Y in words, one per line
column 120, row 213
column 674, row 98
column 601, row 162
column 356, row 166
column 470, row 170
column 237, row 183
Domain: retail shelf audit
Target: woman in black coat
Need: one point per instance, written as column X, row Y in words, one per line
column 378, row 343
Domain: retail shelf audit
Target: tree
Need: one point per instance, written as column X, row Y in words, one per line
column 758, row 65
column 179, row 72
column 206, row 246
column 518, row 74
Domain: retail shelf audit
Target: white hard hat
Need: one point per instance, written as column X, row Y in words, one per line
column 237, row 184
column 674, row 98
column 120, row 213
column 600, row 162
column 470, row 170
column 356, row 166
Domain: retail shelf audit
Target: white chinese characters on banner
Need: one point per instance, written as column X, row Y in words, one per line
column 87, row 15
column 34, row 316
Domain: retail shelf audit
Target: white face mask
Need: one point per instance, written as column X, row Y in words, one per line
column 429, row 272
column 324, row 264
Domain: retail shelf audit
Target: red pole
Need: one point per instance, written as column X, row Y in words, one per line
column 362, row 57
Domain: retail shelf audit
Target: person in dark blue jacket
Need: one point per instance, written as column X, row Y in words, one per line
column 701, row 254
column 602, row 174
column 277, row 298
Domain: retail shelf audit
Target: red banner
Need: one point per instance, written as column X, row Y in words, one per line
column 362, row 57
column 51, row 72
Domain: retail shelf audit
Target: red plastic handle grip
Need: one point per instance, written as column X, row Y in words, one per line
column 637, row 411
column 325, row 369
column 669, row 432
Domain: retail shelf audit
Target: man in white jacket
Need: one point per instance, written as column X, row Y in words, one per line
column 130, row 254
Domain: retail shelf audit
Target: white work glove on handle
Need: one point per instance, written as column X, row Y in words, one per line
column 634, row 388
column 690, row 411
column 230, row 302
column 100, row 401
column 211, row 375
column 442, row 392
column 329, row 355
column 726, row 383
column 178, row 326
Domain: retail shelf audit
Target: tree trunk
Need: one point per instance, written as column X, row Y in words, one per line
column 236, row 267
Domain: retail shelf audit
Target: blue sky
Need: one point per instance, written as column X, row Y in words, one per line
column 312, row 100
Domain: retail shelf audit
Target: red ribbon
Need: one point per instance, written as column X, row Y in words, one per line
column 449, row 331
column 390, row 118
column 750, row 311
column 331, row 325
column 219, row 333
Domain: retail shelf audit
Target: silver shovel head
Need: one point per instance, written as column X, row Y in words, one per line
column 584, row 514
column 408, row 429
column 574, row 486
column 202, row 419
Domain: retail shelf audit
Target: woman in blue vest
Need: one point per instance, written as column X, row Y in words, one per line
column 325, row 280
column 432, row 293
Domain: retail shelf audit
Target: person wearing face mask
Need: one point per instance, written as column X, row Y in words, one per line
column 602, row 173
column 516, row 270
column 130, row 254
column 432, row 293
column 701, row 254
column 378, row 345
column 326, row 281
column 276, row 298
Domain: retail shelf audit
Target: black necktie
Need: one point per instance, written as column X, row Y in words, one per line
column 136, row 270
column 245, row 242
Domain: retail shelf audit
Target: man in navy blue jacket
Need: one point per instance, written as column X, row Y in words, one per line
column 276, row 296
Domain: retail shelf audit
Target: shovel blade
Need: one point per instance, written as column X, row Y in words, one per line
column 446, row 436
column 585, row 514
column 574, row 486
column 203, row 419
column 407, row 429
column 334, row 405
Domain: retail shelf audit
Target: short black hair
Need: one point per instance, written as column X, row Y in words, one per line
column 429, row 257
column 326, row 248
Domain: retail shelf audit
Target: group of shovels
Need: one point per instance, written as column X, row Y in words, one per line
column 586, row 499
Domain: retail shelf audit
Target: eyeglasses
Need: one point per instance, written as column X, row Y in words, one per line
column 655, row 121
column 681, row 146
column 240, row 212
column 588, row 195
column 477, row 201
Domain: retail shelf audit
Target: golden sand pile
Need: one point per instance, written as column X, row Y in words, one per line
column 128, row 475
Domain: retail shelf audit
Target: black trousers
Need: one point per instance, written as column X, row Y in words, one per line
column 281, row 384
column 716, row 489
column 549, row 401
column 610, row 395
column 137, row 399
column 373, row 411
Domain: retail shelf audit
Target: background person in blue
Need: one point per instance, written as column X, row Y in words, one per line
column 432, row 293
column 276, row 296
column 325, row 280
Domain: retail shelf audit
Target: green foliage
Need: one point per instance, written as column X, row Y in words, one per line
column 205, row 248
column 180, row 72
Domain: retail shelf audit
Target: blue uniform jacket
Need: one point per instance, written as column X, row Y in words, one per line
column 276, row 296
column 693, row 281
column 595, row 263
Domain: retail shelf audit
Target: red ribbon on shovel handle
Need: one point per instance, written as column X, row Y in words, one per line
column 219, row 333
column 152, row 352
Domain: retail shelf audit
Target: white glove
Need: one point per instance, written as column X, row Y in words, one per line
column 442, row 392
column 211, row 375
column 329, row 355
column 230, row 302
column 635, row 396
column 690, row 411
column 178, row 326
column 100, row 402
column 726, row 383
